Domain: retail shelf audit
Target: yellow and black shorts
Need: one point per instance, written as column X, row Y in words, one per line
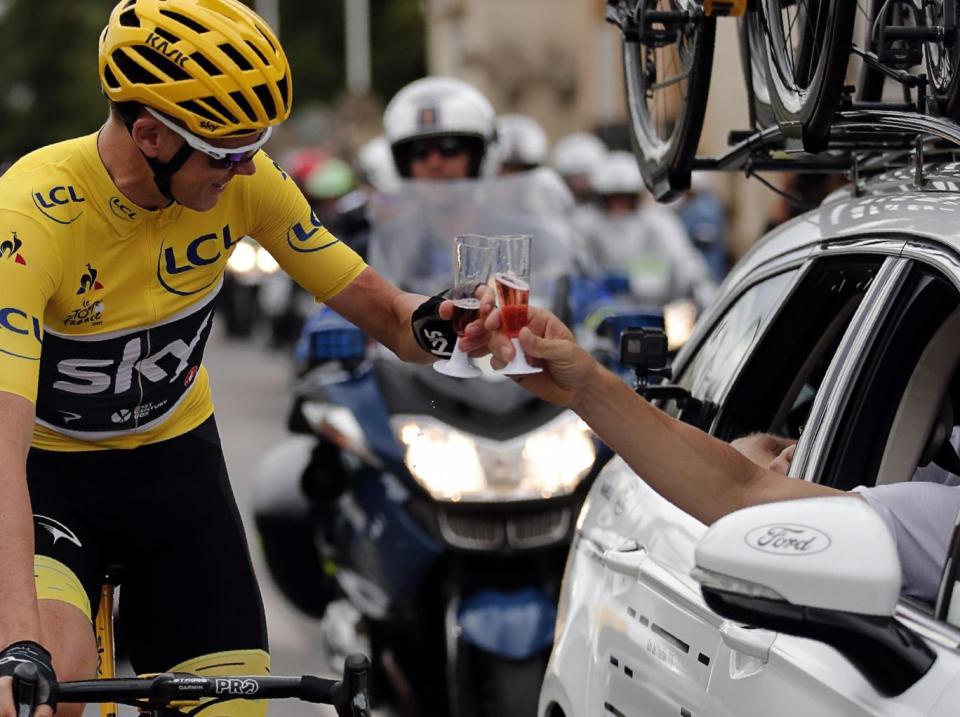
column 162, row 519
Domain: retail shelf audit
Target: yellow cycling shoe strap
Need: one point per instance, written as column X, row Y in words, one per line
column 55, row 581
column 231, row 662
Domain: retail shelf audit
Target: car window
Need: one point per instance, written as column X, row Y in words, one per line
column 714, row 365
column 905, row 401
column 775, row 390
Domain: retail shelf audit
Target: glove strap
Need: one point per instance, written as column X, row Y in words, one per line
column 434, row 334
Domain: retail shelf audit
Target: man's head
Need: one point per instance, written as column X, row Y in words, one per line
column 617, row 182
column 199, row 84
column 439, row 128
column 574, row 158
column 521, row 143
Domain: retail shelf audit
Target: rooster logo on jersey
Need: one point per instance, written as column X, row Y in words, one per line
column 11, row 248
column 88, row 282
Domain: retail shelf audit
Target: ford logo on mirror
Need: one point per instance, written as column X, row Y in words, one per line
column 787, row 539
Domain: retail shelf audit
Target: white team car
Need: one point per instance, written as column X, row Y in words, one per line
column 842, row 329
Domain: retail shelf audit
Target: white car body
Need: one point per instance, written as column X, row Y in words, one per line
column 634, row 634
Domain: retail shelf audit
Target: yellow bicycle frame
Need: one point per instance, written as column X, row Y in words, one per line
column 106, row 658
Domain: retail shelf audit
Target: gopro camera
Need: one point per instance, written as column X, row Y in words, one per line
column 644, row 350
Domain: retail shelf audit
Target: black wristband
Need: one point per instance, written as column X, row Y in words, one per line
column 434, row 334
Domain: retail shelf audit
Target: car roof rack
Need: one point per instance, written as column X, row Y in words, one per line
column 868, row 140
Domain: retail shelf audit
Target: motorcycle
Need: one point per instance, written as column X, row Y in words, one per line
column 424, row 518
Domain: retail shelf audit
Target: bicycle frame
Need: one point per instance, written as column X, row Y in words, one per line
column 106, row 653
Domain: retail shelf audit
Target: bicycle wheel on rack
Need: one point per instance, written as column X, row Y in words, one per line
column 807, row 44
column 943, row 55
column 667, row 59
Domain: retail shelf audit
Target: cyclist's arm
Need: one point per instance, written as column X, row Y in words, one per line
column 19, row 615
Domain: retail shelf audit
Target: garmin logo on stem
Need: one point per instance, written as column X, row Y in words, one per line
column 787, row 539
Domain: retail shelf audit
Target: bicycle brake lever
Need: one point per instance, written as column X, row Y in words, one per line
column 25, row 678
column 354, row 697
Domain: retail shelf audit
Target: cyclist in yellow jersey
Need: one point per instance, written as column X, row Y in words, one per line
column 112, row 250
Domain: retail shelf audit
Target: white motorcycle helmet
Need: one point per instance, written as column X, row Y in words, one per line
column 521, row 142
column 439, row 107
column 375, row 164
column 578, row 153
column 618, row 173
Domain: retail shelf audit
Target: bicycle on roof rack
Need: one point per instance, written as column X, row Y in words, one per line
column 795, row 55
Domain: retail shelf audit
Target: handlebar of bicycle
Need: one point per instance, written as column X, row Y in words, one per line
column 349, row 696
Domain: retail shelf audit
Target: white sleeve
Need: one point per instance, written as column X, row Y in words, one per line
column 921, row 517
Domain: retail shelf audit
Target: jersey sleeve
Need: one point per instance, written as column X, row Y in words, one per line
column 285, row 226
column 29, row 267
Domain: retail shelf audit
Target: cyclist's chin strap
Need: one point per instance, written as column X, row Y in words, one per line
column 163, row 171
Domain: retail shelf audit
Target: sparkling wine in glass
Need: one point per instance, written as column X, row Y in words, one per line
column 472, row 256
column 512, row 279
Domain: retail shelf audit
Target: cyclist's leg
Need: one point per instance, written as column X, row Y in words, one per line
column 189, row 600
column 67, row 632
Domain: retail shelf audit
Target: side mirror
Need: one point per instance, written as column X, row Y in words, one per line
column 821, row 568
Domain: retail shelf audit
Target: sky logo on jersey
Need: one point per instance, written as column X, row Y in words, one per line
column 88, row 281
column 10, row 249
column 307, row 237
column 59, row 203
column 21, row 324
column 189, row 268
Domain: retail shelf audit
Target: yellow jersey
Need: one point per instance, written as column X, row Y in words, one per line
column 106, row 306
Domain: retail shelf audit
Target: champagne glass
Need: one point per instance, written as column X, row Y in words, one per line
column 512, row 279
column 472, row 256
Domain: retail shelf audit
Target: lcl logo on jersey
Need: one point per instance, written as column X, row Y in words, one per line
column 88, row 281
column 179, row 266
column 59, row 203
column 121, row 209
column 19, row 322
column 10, row 249
column 307, row 237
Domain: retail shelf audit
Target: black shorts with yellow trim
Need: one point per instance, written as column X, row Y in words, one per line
column 162, row 520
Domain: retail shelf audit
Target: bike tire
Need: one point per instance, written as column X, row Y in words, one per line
column 666, row 147
column 753, row 60
column 805, row 83
column 943, row 63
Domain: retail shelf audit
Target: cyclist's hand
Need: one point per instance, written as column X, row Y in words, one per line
column 39, row 694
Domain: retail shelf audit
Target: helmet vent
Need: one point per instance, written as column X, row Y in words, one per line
column 198, row 109
column 110, row 78
column 263, row 94
column 185, row 21
column 267, row 38
column 132, row 71
column 244, row 105
column 239, row 60
column 259, row 54
column 170, row 69
column 217, row 106
column 166, row 34
column 130, row 19
column 284, row 93
column 207, row 66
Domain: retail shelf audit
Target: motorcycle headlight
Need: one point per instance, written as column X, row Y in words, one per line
column 679, row 318
column 265, row 262
column 452, row 465
column 243, row 259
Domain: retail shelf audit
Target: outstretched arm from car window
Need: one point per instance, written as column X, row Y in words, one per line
column 701, row 475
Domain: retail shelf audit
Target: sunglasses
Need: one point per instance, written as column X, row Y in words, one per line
column 446, row 146
column 219, row 157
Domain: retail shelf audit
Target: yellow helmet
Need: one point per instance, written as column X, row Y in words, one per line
column 213, row 65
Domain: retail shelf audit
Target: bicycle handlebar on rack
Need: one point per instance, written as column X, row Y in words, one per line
column 349, row 696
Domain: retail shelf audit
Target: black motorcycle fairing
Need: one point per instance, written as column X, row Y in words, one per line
column 496, row 410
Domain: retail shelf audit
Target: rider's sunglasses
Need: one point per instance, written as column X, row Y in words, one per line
column 219, row 157
column 446, row 146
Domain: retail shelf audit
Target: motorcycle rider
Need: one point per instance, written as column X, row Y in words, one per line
column 574, row 157
column 521, row 143
column 642, row 248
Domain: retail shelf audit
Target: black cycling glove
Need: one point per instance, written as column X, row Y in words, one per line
column 435, row 335
column 30, row 653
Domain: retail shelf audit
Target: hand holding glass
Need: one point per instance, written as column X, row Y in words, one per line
column 512, row 278
column 472, row 255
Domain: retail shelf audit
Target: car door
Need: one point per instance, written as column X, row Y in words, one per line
column 867, row 422
column 656, row 643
